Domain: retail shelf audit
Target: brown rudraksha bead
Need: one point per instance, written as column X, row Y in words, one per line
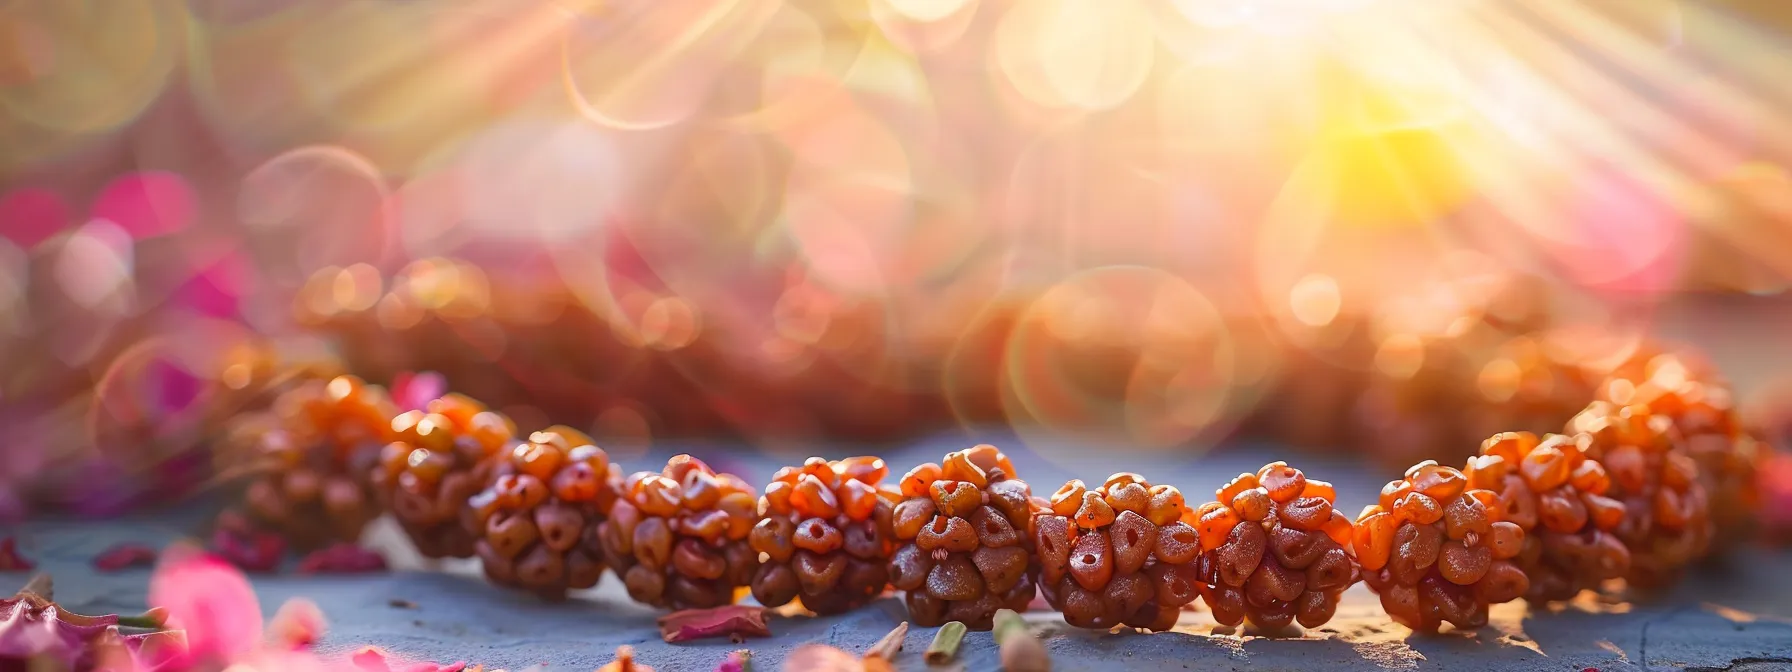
column 536, row 522
column 966, row 532
column 1274, row 551
column 440, row 458
column 1437, row 551
column 1551, row 490
column 1707, row 427
column 678, row 537
column 1119, row 554
column 824, row 535
column 314, row 460
column 1667, row 522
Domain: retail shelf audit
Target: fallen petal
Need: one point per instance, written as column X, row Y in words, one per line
column 737, row 661
column 125, row 556
column 248, row 549
column 375, row 659
column 343, row 559
column 11, row 560
column 297, row 626
column 735, row 621
column 212, row 601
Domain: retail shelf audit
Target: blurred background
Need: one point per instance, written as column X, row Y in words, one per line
column 1384, row 226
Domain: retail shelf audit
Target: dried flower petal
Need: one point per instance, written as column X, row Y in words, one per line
column 125, row 556
column 34, row 628
column 248, row 549
column 11, row 560
column 735, row 621
column 374, row 659
column 297, row 626
column 343, row 559
column 737, row 661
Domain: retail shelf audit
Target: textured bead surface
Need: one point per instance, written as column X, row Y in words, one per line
column 536, row 528
column 315, row 456
column 1443, row 552
column 1122, row 555
column 1273, row 550
column 679, row 538
column 964, row 534
column 439, row 458
column 829, row 542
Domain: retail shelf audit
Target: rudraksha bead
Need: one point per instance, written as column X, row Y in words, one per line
column 538, row 518
column 1667, row 523
column 1437, row 551
column 824, row 535
column 678, row 537
column 1551, row 490
column 315, row 459
column 1122, row 553
column 1274, row 551
column 440, row 458
column 966, row 533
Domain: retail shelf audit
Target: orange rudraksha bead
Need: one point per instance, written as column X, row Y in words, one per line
column 965, row 534
column 439, row 458
column 1437, row 551
column 1551, row 490
column 314, row 458
column 1667, row 522
column 678, row 537
column 824, row 535
column 1273, row 550
column 537, row 520
column 1122, row 553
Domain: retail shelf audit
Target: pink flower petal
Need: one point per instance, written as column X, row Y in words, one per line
column 33, row 628
column 11, row 560
column 240, row 544
column 343, row 559
column 297, row 626
column 212, row 601
column 121, row 557
column 375, row 659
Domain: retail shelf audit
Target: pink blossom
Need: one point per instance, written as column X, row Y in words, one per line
column 211, row 601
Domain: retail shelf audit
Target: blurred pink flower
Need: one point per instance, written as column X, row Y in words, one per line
column 413, row 390
column 221, row 616
column 211, row 601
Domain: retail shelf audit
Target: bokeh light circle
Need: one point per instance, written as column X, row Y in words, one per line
column 1120, row 347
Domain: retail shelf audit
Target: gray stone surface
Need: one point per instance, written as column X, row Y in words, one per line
column 1737, row 617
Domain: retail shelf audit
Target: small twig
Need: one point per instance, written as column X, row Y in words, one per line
column 945, row 643
column 890, row 645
